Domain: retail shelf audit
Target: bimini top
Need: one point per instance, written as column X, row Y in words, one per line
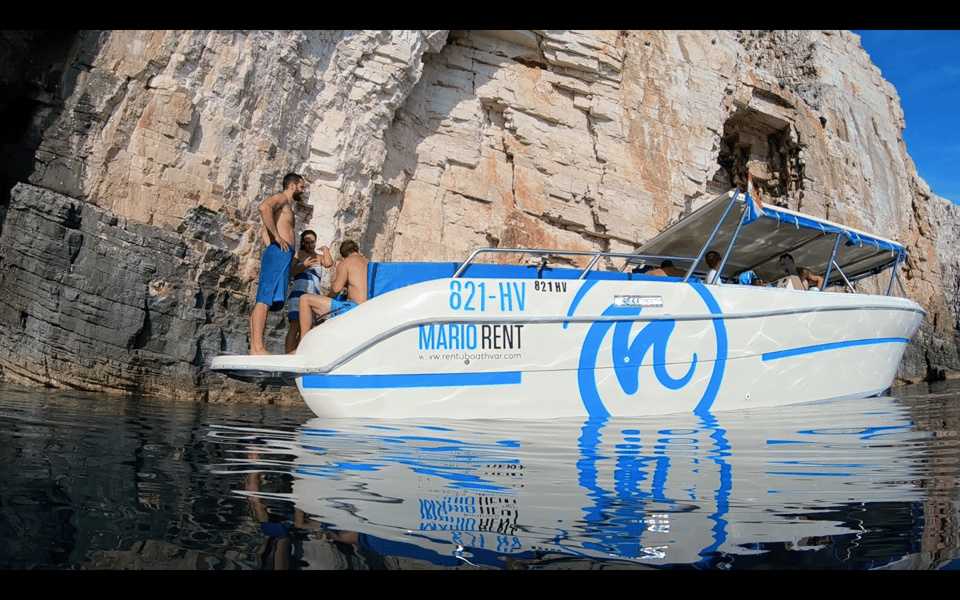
column 764, row 233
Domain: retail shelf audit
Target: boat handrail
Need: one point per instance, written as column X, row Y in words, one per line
column 583, row 275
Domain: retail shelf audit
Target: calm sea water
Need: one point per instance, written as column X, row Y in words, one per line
column 96, row 482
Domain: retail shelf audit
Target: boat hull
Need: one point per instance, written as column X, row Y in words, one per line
column 502, row 348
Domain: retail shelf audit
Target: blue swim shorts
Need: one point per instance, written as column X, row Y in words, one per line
column 338, row 307
column 274, row 276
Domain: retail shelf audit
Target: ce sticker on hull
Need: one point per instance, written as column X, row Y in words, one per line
column 638, row 301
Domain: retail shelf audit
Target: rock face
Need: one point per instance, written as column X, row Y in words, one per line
column 93, row 301
column 130, row 247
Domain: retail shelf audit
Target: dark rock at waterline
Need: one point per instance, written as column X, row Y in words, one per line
column 97, row 302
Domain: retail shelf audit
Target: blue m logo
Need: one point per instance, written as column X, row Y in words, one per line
column 628, row 356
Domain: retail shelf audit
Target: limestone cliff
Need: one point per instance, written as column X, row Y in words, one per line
column 135, row 160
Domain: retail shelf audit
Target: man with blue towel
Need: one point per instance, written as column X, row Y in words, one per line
column 276, row 212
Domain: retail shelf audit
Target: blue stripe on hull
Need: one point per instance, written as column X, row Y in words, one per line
column 825, row 347
column 377, row 382
column 435, row 380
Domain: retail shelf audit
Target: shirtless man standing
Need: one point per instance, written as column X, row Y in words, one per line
column 352, row 275
column 276, row 212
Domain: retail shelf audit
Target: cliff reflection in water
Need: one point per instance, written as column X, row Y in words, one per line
column 95, row 482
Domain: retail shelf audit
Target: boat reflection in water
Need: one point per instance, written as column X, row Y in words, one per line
column 830, row 485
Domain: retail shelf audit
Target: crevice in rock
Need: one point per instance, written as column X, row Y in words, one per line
column 142, row 338
column 534, row 62
column 599, row 229
column 933, row 373
column 198, row 357
column 74, row 245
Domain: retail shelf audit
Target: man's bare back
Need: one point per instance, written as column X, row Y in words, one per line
column 353, row 270
column 351, row 276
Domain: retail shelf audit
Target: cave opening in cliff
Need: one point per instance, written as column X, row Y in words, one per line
column 764, row 146
column 32, row 64
column 16, row 157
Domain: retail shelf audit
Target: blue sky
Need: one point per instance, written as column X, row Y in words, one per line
column 924, row 66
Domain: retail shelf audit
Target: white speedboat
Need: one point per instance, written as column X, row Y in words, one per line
column 474, row 340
